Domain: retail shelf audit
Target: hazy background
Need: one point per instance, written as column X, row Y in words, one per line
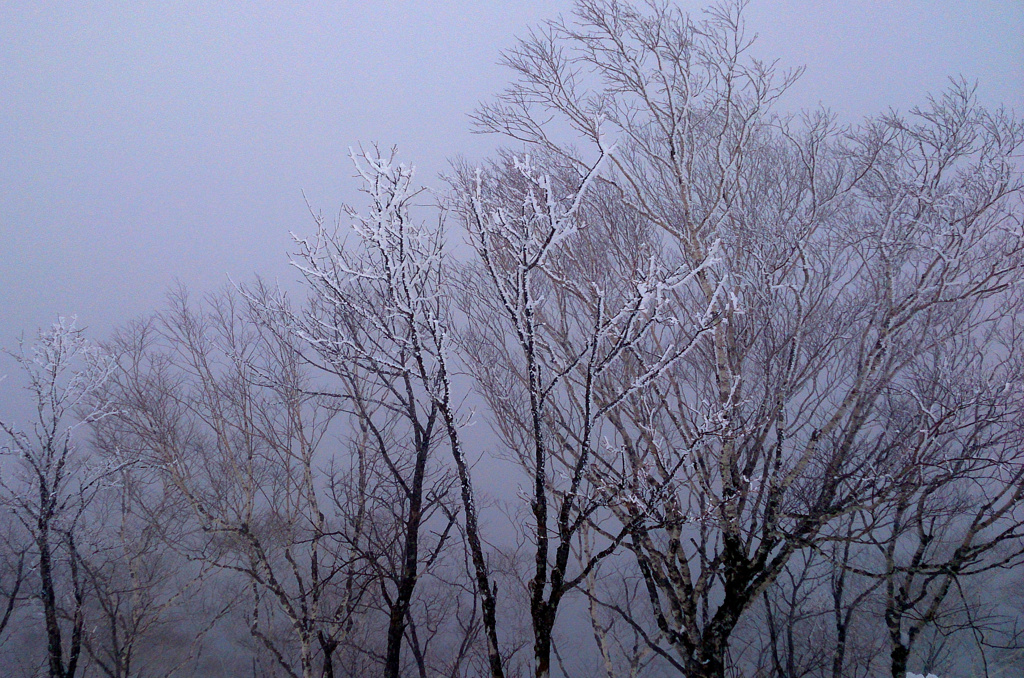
column 144, row 142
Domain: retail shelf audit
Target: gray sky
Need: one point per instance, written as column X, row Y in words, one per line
column 143, row 142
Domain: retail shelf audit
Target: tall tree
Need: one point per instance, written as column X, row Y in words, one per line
column 53, row 478
column 826, row 264
column 375, row 323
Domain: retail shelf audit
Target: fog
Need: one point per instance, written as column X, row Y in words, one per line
column 144, row 143
column 147, row 147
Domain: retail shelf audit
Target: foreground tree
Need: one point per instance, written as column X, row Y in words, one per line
column 828, row 265
column 376, row 324
column 50, row 480
column 553, row 330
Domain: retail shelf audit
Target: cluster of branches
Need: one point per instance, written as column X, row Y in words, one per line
column 758, row 379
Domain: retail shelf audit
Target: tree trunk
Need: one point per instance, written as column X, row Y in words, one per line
column 327, row 646
column 899, row 656
column 55, row 650
column 407, row 581
column 543, row 624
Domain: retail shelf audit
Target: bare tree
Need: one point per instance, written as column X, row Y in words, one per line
column 219, row 405
column 615, row 607
column 52, row 479
column 760, row 377
column 818, row 618
column 551, row 323
column 377, row 321
column 958, row 509
column 826, row 264
column 138, row 582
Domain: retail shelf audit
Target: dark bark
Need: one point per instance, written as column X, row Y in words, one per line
column 481, row 572
column 12, row 597
column 54, row 640
column 327, row 647
column 898, row 659
column 399, row 615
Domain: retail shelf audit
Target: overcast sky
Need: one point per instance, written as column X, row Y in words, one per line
column 143, row 142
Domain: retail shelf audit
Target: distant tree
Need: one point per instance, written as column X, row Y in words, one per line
column 958, row 509
column 216, row 404
column 138, row 580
